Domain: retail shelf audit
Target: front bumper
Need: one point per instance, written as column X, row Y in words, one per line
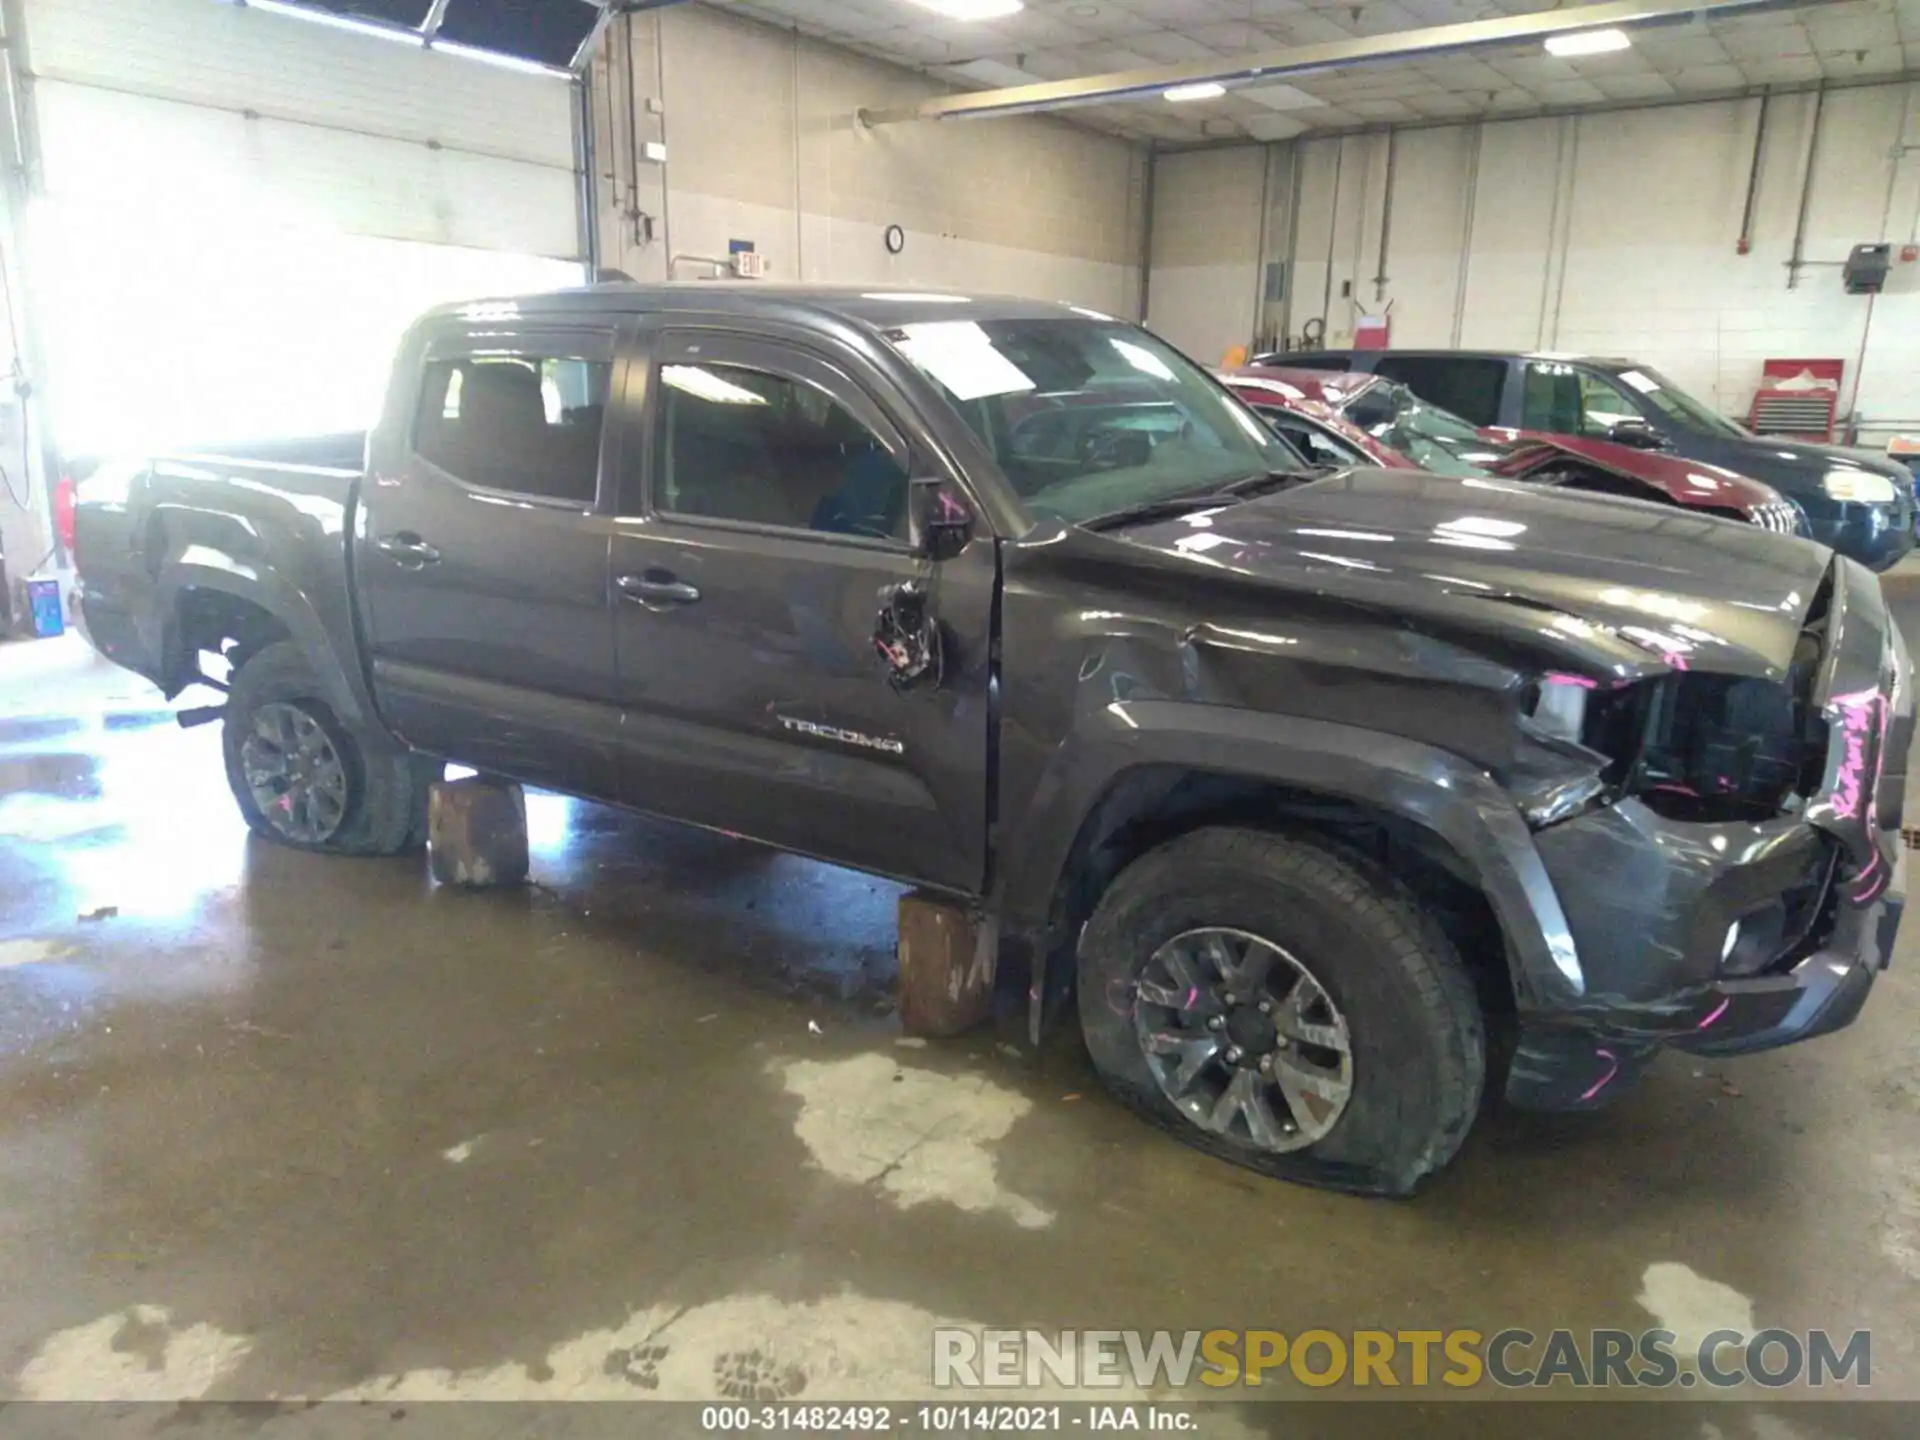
column 1650, row 902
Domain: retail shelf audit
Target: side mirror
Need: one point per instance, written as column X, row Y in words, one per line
column 940, row 524
column 1637, row 433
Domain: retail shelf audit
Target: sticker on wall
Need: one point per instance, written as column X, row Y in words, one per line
column 896, row 239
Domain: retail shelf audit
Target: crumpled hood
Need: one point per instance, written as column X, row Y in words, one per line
column 1621, row 587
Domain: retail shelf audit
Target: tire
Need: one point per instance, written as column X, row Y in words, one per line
column 381, row 807
column 1385, row 981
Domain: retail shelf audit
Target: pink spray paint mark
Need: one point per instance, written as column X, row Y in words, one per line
column 1613, row 1069
column 1863, row 715
column 1718, row 1011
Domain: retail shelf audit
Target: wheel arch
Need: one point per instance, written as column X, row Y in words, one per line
column 206, row 603
column 1444, row 825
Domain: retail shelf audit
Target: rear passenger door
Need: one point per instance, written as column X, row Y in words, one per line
column 1471, row 386
column 481, row 557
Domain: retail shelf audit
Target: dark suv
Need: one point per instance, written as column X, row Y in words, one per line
column 1859, row 503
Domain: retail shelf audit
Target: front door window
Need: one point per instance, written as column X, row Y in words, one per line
column 749, row 445
column 1563, row 400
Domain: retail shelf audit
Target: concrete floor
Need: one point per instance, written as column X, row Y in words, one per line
column 275, row 1125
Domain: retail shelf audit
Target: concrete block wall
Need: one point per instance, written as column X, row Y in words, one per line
column 1612, row 232
column 762, row 146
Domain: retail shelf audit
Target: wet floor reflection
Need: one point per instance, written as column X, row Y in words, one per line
column 372, row 1128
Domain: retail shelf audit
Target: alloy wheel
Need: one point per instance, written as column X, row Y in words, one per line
column 295, row 773
column 1243, row 1039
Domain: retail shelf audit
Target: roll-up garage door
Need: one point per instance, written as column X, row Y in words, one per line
column 243, row 207
column 177, row 101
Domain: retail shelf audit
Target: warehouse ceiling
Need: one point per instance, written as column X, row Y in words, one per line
column 1064, row 39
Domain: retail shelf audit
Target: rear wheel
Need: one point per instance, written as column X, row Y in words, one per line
column 304, row 778
column 1287, row 1006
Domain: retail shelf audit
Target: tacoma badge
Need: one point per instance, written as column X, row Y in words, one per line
column 845, row 737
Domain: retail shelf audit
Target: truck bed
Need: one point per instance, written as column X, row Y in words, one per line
column 167, row 548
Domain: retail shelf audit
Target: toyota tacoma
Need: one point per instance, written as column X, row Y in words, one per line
column 1329, row 801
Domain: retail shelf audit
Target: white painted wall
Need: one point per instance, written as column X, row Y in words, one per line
column 26, row 529
column 762, row 146
column 1206, row 248
column 1610, row 232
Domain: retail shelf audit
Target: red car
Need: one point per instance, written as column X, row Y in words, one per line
column 1341, row 418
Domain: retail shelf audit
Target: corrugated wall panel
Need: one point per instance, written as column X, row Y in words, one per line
column 192, row 97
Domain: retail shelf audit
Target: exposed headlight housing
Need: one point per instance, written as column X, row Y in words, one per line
column 1859, row 485
column 1561, row 707
column 1556, row 776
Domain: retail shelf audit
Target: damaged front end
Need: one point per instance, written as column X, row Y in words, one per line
column 1726, row 848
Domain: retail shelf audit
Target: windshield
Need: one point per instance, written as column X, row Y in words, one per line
column 1434, row 439
column 1677, row 405
column 1088, row 418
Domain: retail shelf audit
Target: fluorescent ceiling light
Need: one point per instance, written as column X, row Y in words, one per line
column 1587, row 42
column 971, row 9
column 1206, row 90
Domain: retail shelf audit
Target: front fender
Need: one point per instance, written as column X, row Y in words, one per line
column 1432, row 788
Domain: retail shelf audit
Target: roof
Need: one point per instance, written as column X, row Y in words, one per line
column 873, row 306
column 1615, row 362
column 1327, row 387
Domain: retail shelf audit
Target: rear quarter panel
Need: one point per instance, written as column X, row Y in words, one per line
column 271, row 535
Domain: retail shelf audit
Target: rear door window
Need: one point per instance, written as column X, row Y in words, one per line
column 1469, row 386
column 522, row 422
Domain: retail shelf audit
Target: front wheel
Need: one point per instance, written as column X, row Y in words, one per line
column 306, row 779
column 1285, row 1005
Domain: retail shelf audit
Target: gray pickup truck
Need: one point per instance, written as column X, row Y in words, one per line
column 1335, row 799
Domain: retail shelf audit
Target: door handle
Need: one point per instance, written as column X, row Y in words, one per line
column 656, row 589
column 408, row 549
